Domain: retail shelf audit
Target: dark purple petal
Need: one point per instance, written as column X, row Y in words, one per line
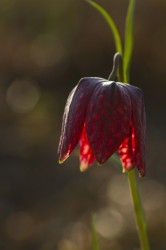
column 86, row 155
column 139, row 127
column 74, row 115
column 108, row 119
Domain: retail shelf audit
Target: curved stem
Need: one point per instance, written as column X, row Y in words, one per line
column 117, row 67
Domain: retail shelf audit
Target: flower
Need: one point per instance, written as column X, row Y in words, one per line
column 104, row 117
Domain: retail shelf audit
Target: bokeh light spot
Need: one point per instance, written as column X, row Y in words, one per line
column 109, row 223
column 22, row 96
column 118, row 191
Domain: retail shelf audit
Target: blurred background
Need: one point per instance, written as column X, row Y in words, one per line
column 45, row 48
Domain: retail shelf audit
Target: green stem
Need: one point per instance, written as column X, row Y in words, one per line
column 138, row 209
column 94, row 234
column 139, row 214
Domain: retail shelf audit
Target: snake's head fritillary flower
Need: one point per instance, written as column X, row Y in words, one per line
column 104, row 117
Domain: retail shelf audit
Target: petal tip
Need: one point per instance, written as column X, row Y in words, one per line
column 61, row 161
column 141, row 174
column 124, row 171
column 64, row 157
column 83, row 167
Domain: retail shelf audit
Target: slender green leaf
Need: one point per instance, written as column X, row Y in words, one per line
column 111, row 24
column 128, row 47
column 94, row 234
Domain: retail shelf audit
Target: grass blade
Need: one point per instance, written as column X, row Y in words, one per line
column 111, row 24
column 128, row 47
column 94, row 234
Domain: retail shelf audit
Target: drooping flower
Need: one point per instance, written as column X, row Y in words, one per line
column 104, row 117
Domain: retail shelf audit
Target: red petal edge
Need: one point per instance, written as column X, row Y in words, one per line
column 139, row 127
column 126, row 153
column 87, row 157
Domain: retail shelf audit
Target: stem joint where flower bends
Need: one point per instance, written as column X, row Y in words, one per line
column 117, row 68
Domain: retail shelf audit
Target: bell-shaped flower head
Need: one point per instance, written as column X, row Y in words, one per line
column 104, row 117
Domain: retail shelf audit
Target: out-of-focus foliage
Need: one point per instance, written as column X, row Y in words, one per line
column 45, row 48
column 128, row 47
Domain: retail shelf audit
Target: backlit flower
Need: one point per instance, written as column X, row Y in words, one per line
column 104, row 117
